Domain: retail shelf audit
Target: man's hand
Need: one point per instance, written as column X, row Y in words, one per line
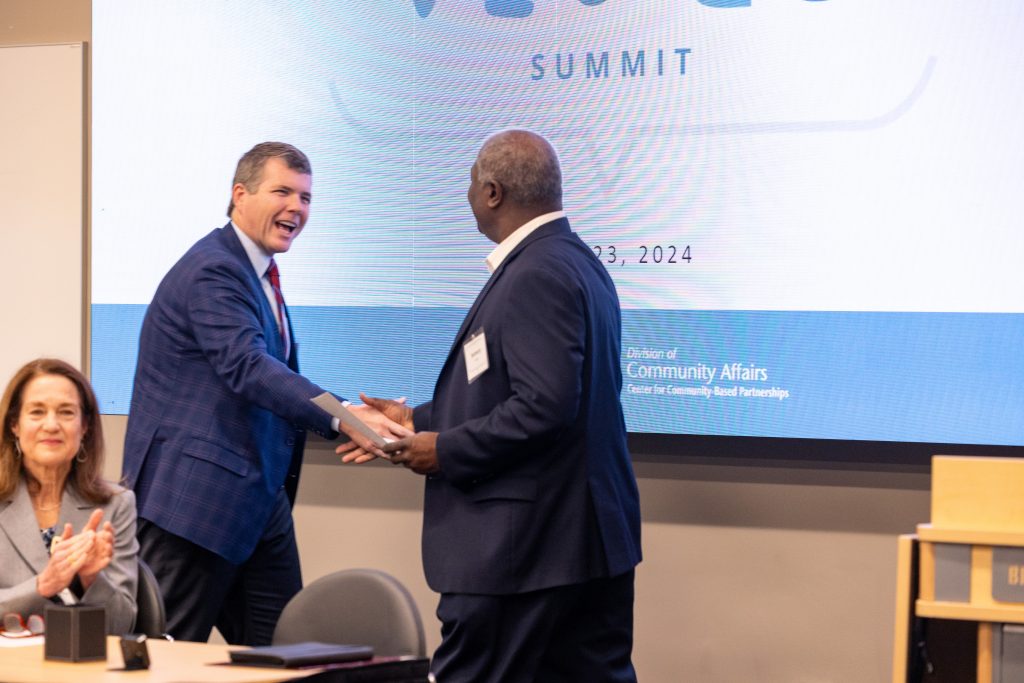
column 394, row 411
column 417, row 452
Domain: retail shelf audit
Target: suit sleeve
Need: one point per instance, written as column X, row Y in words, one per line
column 226, row 325
column 18, row 573
column 421, row 416
column 542, row 340
column 115, row 587
column 22, row 598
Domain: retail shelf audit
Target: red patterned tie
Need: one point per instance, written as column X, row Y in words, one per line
column 275, row 283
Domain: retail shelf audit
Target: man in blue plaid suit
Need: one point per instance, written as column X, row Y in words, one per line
column 219, row 412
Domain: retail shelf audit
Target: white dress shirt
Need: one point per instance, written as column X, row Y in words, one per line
column 260, row 261
column 506, row 246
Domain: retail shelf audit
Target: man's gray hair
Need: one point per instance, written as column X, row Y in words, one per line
column 525, row 165
column 249, row 171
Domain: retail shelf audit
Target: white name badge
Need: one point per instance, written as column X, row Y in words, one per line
column 475, row 351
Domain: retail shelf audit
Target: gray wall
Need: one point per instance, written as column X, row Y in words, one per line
column 752, row 572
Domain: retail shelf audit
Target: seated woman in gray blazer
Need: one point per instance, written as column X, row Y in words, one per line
column 66, row 534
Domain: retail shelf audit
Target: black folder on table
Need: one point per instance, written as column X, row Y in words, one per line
column 301, row 654
column 401, row 669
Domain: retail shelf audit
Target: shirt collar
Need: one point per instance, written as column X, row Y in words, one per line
column 259, row 259
column 500, row 252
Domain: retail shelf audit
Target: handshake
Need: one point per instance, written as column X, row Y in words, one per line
column 392, row 420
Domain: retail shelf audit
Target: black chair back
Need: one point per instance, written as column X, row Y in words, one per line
column 151, row 618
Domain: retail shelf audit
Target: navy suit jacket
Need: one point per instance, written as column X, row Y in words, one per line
column 217, row 414
column 536, row 488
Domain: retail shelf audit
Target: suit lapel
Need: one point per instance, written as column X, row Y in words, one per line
column 464, row 328
column 293, row 357
column 18, row 521
column 270, row 332
column 557, row 226
column 74, row 509
column 554, row 227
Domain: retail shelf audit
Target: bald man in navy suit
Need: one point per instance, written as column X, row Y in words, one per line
column 531, row 523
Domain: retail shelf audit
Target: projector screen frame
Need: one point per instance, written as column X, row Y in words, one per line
column 775, row 450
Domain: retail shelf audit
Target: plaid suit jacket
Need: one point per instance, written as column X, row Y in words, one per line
column 217, row 416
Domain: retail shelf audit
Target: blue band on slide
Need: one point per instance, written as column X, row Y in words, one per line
column 821, row 375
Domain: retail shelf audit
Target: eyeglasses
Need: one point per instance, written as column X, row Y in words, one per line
column 15, row 626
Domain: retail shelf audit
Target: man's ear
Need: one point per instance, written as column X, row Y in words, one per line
column 495, row 194
column 237, row 193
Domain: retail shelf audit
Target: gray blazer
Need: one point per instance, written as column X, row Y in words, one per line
column 23, row 555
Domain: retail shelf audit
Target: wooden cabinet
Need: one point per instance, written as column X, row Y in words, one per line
column 966, row 565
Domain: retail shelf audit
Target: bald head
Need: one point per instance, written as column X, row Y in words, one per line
column 526, row 167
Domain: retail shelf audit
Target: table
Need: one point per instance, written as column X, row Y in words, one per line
column 170, row 662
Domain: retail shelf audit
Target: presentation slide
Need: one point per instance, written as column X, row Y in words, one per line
column 807, row 206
